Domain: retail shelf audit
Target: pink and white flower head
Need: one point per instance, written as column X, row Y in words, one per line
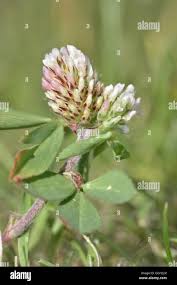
column 75, row 93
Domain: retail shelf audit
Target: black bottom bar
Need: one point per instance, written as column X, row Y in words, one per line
column 27, row 275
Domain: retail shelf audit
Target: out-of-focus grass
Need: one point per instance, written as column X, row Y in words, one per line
column 166, row 237
column 134, row 237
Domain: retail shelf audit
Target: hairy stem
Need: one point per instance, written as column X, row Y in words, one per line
column 1, row 249
column 13, row 231
column 72, row 162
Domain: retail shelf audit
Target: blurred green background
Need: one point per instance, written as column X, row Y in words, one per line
column 105, row 30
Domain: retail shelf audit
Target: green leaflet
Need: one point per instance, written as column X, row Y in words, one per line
column 51, row 187
column 114, row 187
column 16, row 120
column 38, row 135
column 83, row 146
column 35, row 160
column 80, row 214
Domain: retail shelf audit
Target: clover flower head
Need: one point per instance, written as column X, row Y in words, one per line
column 76, row 94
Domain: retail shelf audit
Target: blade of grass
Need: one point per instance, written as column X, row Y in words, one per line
column 166, row 239
column 46, row 263
column 23, row 241
column 80, row 252
column 1, row 250
column 93, row 256
column 38, row 228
